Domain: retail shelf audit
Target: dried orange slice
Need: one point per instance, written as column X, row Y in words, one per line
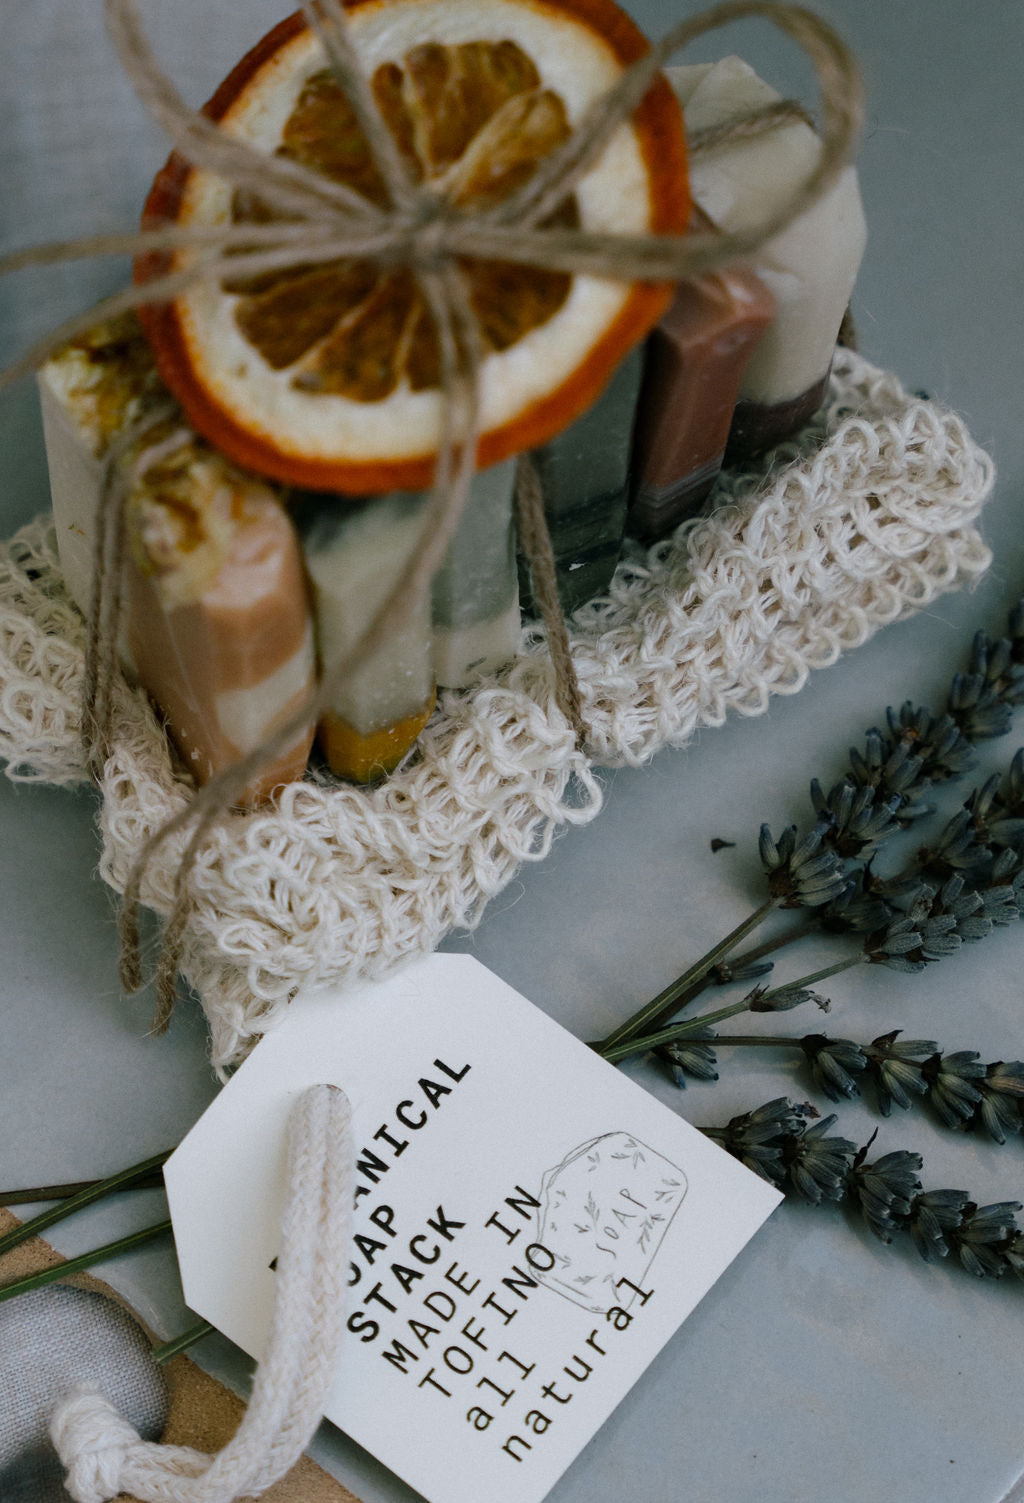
column 328, row 376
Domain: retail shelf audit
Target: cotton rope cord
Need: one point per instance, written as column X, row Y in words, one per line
column 869, row 518
column 105, row 1456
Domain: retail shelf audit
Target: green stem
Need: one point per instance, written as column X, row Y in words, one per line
column 822, row 975
column 670, row 1035
column 97, row 1190
column 800, row 931
column 181, row 1342
column 669, row 997
column 748, row 957
column 616, row 1052
column 770, row 1040
column 63, row 1192
column 86, row 1260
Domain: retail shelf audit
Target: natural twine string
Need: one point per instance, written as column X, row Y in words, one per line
column 106, row 605
column 459, row 362
column 423, row 232
column 535, row 538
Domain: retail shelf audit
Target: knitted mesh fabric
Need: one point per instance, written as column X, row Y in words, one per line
column 867, row 519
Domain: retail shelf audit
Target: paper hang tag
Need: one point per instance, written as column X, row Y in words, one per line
column 531, row 1226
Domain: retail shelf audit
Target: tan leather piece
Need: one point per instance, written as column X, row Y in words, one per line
column 203, row 1413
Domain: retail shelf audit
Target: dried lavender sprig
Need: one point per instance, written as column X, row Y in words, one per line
column 801, row 873
column 777, row 1142
column 982, row 842
column 979, row 705
column 667, row 1001
column 781, row 999
column 964, row 1092
column 36, row 1193
column 931, row 922
column 983, row 699
column 882, row 792
column 856, row 823
column 886, row 785
column 83, row 1261
column 960, row 848
column 894, row 774
column 997, row 808
column 916, row 751
column 92, row 1191
column 908, row 921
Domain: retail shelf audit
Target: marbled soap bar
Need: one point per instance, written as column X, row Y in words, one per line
column 476, row 621
column 219, row 627
column 355, row 552
column 695, row 360
column 584, row 477
column 810, row 267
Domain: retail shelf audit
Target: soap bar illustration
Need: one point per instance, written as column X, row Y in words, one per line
column 604, row 1213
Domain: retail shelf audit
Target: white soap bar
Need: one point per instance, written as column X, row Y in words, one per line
column 89, row 393
column 355, row 554
column 476, row 622
column 811, row 266
column 74, row 486
column 463, row 655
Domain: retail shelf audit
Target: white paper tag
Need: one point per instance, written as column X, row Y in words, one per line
column 531, row 1226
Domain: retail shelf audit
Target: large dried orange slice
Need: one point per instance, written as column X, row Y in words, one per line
column 328, row 376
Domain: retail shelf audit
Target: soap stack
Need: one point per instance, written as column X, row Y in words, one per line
column 740, row 361
column 240, row 590
column 237, row 589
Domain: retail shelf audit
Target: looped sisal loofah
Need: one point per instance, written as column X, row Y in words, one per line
column 869, row 518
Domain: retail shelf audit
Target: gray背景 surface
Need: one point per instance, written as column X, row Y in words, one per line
column 823, row 1365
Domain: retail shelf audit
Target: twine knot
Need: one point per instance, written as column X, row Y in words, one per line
column 423, row 235
column 431, row 240
column 93, row 1442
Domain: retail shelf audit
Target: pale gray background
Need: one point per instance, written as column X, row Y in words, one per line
column 823, row 1365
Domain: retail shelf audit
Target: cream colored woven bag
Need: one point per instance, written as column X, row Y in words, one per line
column 870, row 518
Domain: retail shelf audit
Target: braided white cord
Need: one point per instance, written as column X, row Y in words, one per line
column 104, row 1456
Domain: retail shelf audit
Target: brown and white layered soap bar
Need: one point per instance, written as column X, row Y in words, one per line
column 810, row 268
column 218, row 626
column 694, row 363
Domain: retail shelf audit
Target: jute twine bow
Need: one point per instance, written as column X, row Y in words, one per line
column 420, row 230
